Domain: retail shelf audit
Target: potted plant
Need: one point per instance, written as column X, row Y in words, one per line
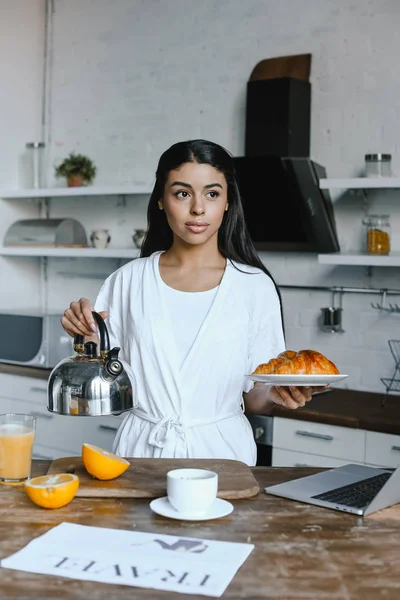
column 77, row 169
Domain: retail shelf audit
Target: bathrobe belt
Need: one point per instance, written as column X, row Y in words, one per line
column 172, row 424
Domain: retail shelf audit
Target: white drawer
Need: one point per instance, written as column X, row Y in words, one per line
column 6, row 405
column 382, row 449
column 51, row 439
column 69, row 433
column 320, row 439
column 29, row 389
column 50, row 429
column 46, row 453
column 64, row 434
column 48, row 432
column 99, row 431
column 290, row 458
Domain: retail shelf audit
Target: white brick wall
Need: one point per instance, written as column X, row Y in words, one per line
column 21, row 59
column 131, row 77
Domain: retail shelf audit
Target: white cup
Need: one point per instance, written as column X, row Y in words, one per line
column 192, row 491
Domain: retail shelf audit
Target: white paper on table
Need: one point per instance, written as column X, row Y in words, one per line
column 150, row 560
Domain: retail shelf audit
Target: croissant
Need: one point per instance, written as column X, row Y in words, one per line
column 304, row 362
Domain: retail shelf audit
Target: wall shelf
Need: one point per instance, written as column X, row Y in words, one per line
column 360, row 183
column 355, row 259
column 358, row 259
column 65, row 192
column 127, row 253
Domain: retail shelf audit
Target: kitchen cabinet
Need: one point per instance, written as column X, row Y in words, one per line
column 298, row 443
column 56, row 435
column 382, row 449
column 318, row 439
column 291, row 458
column 46, row 453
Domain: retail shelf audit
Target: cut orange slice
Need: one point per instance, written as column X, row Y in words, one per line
column 103, row 464
column 52, row 491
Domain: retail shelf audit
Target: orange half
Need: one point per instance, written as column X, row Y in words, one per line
column 52, row 491
column 102, row 464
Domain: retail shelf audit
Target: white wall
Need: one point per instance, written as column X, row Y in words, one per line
column 21, row 62
column 129, row 78
column 133, row 76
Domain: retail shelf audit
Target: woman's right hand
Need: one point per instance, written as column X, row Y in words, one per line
column 78, row 318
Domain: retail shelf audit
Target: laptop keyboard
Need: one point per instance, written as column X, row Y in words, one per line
column 356, row 495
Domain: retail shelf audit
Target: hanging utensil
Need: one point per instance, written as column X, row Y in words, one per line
column 331, row 316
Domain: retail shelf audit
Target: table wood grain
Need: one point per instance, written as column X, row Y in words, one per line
column 147, row 477
column 302, row 552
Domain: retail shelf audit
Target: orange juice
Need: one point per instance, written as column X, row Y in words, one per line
column 16, row 443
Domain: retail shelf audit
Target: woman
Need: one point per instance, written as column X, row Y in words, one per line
column 192, row 316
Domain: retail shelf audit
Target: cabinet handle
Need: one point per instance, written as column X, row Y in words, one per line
column 301, row 465
column 42, row 415
column 38, row 389
column 319, row 436
column 396, row 448
column 108, row 427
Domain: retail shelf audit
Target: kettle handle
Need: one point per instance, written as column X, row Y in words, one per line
column 103, row 333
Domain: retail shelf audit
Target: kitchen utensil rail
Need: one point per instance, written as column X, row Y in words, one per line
column 383, row 292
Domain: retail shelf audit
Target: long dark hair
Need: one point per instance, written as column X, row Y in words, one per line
column 234, row 242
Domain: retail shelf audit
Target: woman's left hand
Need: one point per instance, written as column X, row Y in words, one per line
column 291, row 397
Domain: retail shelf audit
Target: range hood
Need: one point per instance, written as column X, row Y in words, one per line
column 284, row 207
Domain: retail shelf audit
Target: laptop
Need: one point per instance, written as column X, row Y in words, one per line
column 355, row 489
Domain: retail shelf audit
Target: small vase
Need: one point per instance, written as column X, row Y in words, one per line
column 75, row 181
column 138, row 237
column 100, row 238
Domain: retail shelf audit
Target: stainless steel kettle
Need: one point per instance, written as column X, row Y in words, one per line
column 88, row 384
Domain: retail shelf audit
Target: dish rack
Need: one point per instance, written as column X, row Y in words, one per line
column 392, row 384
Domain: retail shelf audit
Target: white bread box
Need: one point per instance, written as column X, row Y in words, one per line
column 46, row 232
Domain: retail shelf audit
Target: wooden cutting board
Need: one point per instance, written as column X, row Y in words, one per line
column 147, row 477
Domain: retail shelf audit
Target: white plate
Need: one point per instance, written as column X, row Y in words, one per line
column 297, row 380
column 219, row 509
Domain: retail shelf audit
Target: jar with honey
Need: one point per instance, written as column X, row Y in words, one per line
column 377, row 234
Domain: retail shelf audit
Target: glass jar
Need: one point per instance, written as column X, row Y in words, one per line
column 36, row 151
column 377, row 234
column 378, row 165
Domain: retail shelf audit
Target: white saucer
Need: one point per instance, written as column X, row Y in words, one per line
column 219, row 509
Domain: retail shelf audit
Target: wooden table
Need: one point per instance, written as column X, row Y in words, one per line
column 301, row 552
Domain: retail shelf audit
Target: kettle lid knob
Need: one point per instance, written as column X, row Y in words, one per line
column 91, row 349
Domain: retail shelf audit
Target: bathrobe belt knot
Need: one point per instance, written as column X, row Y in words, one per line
column 170, row 425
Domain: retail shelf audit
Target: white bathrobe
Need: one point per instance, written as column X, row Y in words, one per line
column 194, row 409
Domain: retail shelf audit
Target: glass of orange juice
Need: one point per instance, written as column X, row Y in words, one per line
column 17, row 433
